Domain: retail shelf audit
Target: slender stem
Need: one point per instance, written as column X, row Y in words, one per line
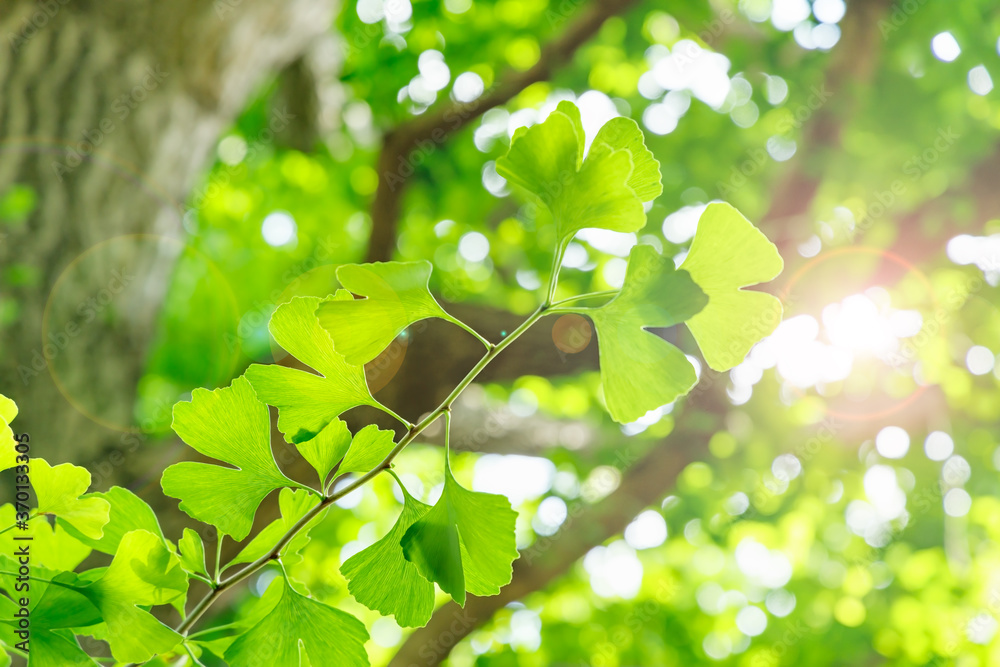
column 218, row 559
column 482, row 339
column 557, row 260
column 562, row 310
column 447, row 438
column 581, row 297
column 416, row 429
column 392, row 414
column 202, row 579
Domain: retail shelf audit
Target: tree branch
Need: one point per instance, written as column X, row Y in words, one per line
column 437, row 126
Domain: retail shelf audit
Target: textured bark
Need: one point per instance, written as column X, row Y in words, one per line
column 109, row 111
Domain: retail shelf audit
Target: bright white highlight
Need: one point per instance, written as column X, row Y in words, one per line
column 938, row 446
column 945, row 47
column 892, row 442
column 648, row 530
column 520, row 478
column 278, row 229
column 614, row 570
column 474, row 247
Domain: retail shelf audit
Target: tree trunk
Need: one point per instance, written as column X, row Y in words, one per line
column 109, row 112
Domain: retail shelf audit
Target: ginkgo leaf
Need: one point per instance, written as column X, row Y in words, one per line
column 465, row 542
column 293, row 505
column 191, row 552
column 381, row 578
column 369, row 448
column 8, row 455
column 605, row 190
column 307, row 402
column 230, row 425
column 128, row 512
column 52, row 545
column 143, row 573
column 624, row 133
column 58, row 490
column 299, row 631
column 327, row 448
column 729, row 253
column 396, row 295
column 53, row 610
column 640, row 371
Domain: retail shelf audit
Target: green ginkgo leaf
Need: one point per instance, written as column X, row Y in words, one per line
column 191, row 553
column 396, row 295
column 369, row 448
column 52, row 545
column 143, row 573
column 381, row 578
column 8, row 455
column 307, row 402
column 325, row 450
column 128, row 512
column 230, row 425
column 640, row 371
column 606, row 189
column 293, row 505
column 727, row 254
column 58, row 489
column 53, row 610
column 465, row 542
column 299, row 631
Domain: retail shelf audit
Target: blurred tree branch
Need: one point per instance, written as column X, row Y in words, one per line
column 853, row 64
column 437, row 125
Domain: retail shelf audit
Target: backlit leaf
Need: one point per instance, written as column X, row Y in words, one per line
column 729, row 253
column 640, row 371
column 293, row 505
column 396, row 295
column 465, row 542
column 381, row 578
column 604, row 190
column 307, row 402
column 230, row 425
column 143, row 573
column 297, row 631
column 368, row 449
column 58, row 489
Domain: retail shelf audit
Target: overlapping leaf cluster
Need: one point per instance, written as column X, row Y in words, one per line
column 464, row 543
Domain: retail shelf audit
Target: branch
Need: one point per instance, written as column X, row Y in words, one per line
column 435, row 127
column 415, row 430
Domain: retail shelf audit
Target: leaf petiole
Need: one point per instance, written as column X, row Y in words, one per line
column 581, row 297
